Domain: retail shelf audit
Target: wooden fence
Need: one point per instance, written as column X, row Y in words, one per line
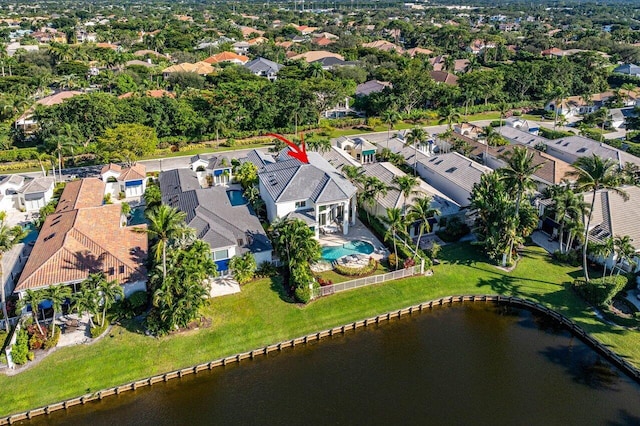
column 365, row 281
column 601, row 349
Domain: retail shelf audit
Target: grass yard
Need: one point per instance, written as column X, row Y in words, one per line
column 259, row 316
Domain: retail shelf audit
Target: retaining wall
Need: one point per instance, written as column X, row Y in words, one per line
column 601, row 349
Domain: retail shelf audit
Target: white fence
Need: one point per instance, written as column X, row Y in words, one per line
column 373, row 279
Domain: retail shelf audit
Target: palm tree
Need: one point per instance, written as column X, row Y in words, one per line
column 373, row 189
column 593, row 173
column 33, row 298
column 406, row 185
column 417, row 136
column 421, row 211
column 57, row 294
column 567, row 206
column 110, row 292
column 557, row 96
column 628, row 87
column 503, row 109
column 390, row 117
column 354, row 174
column 166, row 226
column 243, row 267
column 625, row 251
column 318, row 144
column 517, row 175
column 448, row 116
column 396, row 226
column 605, row 250
column 9, row 237
column 86, row 300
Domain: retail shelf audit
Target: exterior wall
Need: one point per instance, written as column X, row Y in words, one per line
column 34, row 204
column 268, row 202
column 131, row 288
column 264, row 256
column 110, row 173
column 283, row 209
column 223, row 264
column 562, row 155
column 10, row 203
column 198, row 163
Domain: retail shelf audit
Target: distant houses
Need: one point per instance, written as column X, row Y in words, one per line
column 264, row 68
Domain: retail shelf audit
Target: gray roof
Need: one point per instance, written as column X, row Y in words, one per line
column 214, row 162
column 457, row 168
column 371, row 86
column 630, row 69
column 575, row 146
column 339, row 158
column 386, row 172
column 258, row 158
column 211, row 214
column 263, row 66
column 37, row 185
column 13, row 179
column 607, row 219
column 288, row 179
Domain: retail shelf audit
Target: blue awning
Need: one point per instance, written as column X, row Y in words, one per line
column 133, row 183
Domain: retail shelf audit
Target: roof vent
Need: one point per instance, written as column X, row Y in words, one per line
column 451, row 170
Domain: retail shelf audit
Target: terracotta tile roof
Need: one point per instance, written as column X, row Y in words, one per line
column 444, row 77
column 226, row 57
column 418, row 51
column 135, row 172
column 553, row 170
column 58, row 98
column 199, row 67
column 322, row 41
column 384, row 45
column 156, row 93
column 314, row 55
column 81, row 237
column 111, row 166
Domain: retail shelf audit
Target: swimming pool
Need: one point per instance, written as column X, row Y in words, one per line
column 236, row 198
column 332, row 253
column 32, row 233
column 137, row 216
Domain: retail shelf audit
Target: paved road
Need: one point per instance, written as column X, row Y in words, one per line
column 169, row 163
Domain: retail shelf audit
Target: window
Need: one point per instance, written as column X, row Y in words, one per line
column 220, row 254
column 121, row 269
column 112, row 270
column 300, row 204
column 240, row 242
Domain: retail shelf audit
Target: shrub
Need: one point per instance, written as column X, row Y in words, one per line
column 303, row 294
column 53, row 341
column 394, row 262
column 357, row 272
column 107, row 198
column 322, row 282
column 454, row 230
column 553, row 134
column 20, row 350
column 98, row 330
column 266, row 269
column 137, row 300
column 600, row 291
column 571, row 257
column 122, row 195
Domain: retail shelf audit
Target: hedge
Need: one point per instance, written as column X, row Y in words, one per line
column 357, row 272
column 600, row 291
column 18, row 154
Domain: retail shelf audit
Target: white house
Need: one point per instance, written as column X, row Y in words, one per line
column 314, row 192
column 36, row 193
column 218, row 167
column 363, row 151
column 9, row 186
column 130, row 181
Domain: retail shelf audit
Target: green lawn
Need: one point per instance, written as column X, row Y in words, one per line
column 259, row 316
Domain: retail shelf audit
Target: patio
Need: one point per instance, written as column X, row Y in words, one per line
column 75, row 329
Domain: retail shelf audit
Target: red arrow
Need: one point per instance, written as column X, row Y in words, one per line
column 295, row 151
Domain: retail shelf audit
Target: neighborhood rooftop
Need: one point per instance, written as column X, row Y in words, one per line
column 289, row 179
column 211, row 214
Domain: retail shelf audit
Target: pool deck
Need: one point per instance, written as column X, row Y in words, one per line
column 356, row 232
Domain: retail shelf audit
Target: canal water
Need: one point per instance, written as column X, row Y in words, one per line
column 461, row 365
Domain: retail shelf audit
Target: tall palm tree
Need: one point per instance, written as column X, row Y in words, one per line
column 503, row 109
column 9, row 237
column 57, row 294
column 517, row 176
column 406, row 185
column 628, row 87
column 110, row 291
column 557, row 96
column 396, row 226
column 166, row 226
column 421, row 211
column 33, row 298
column 390, row 118
column 374, row 188
column 417, row 136
column 448, row 116
column 592, row 174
